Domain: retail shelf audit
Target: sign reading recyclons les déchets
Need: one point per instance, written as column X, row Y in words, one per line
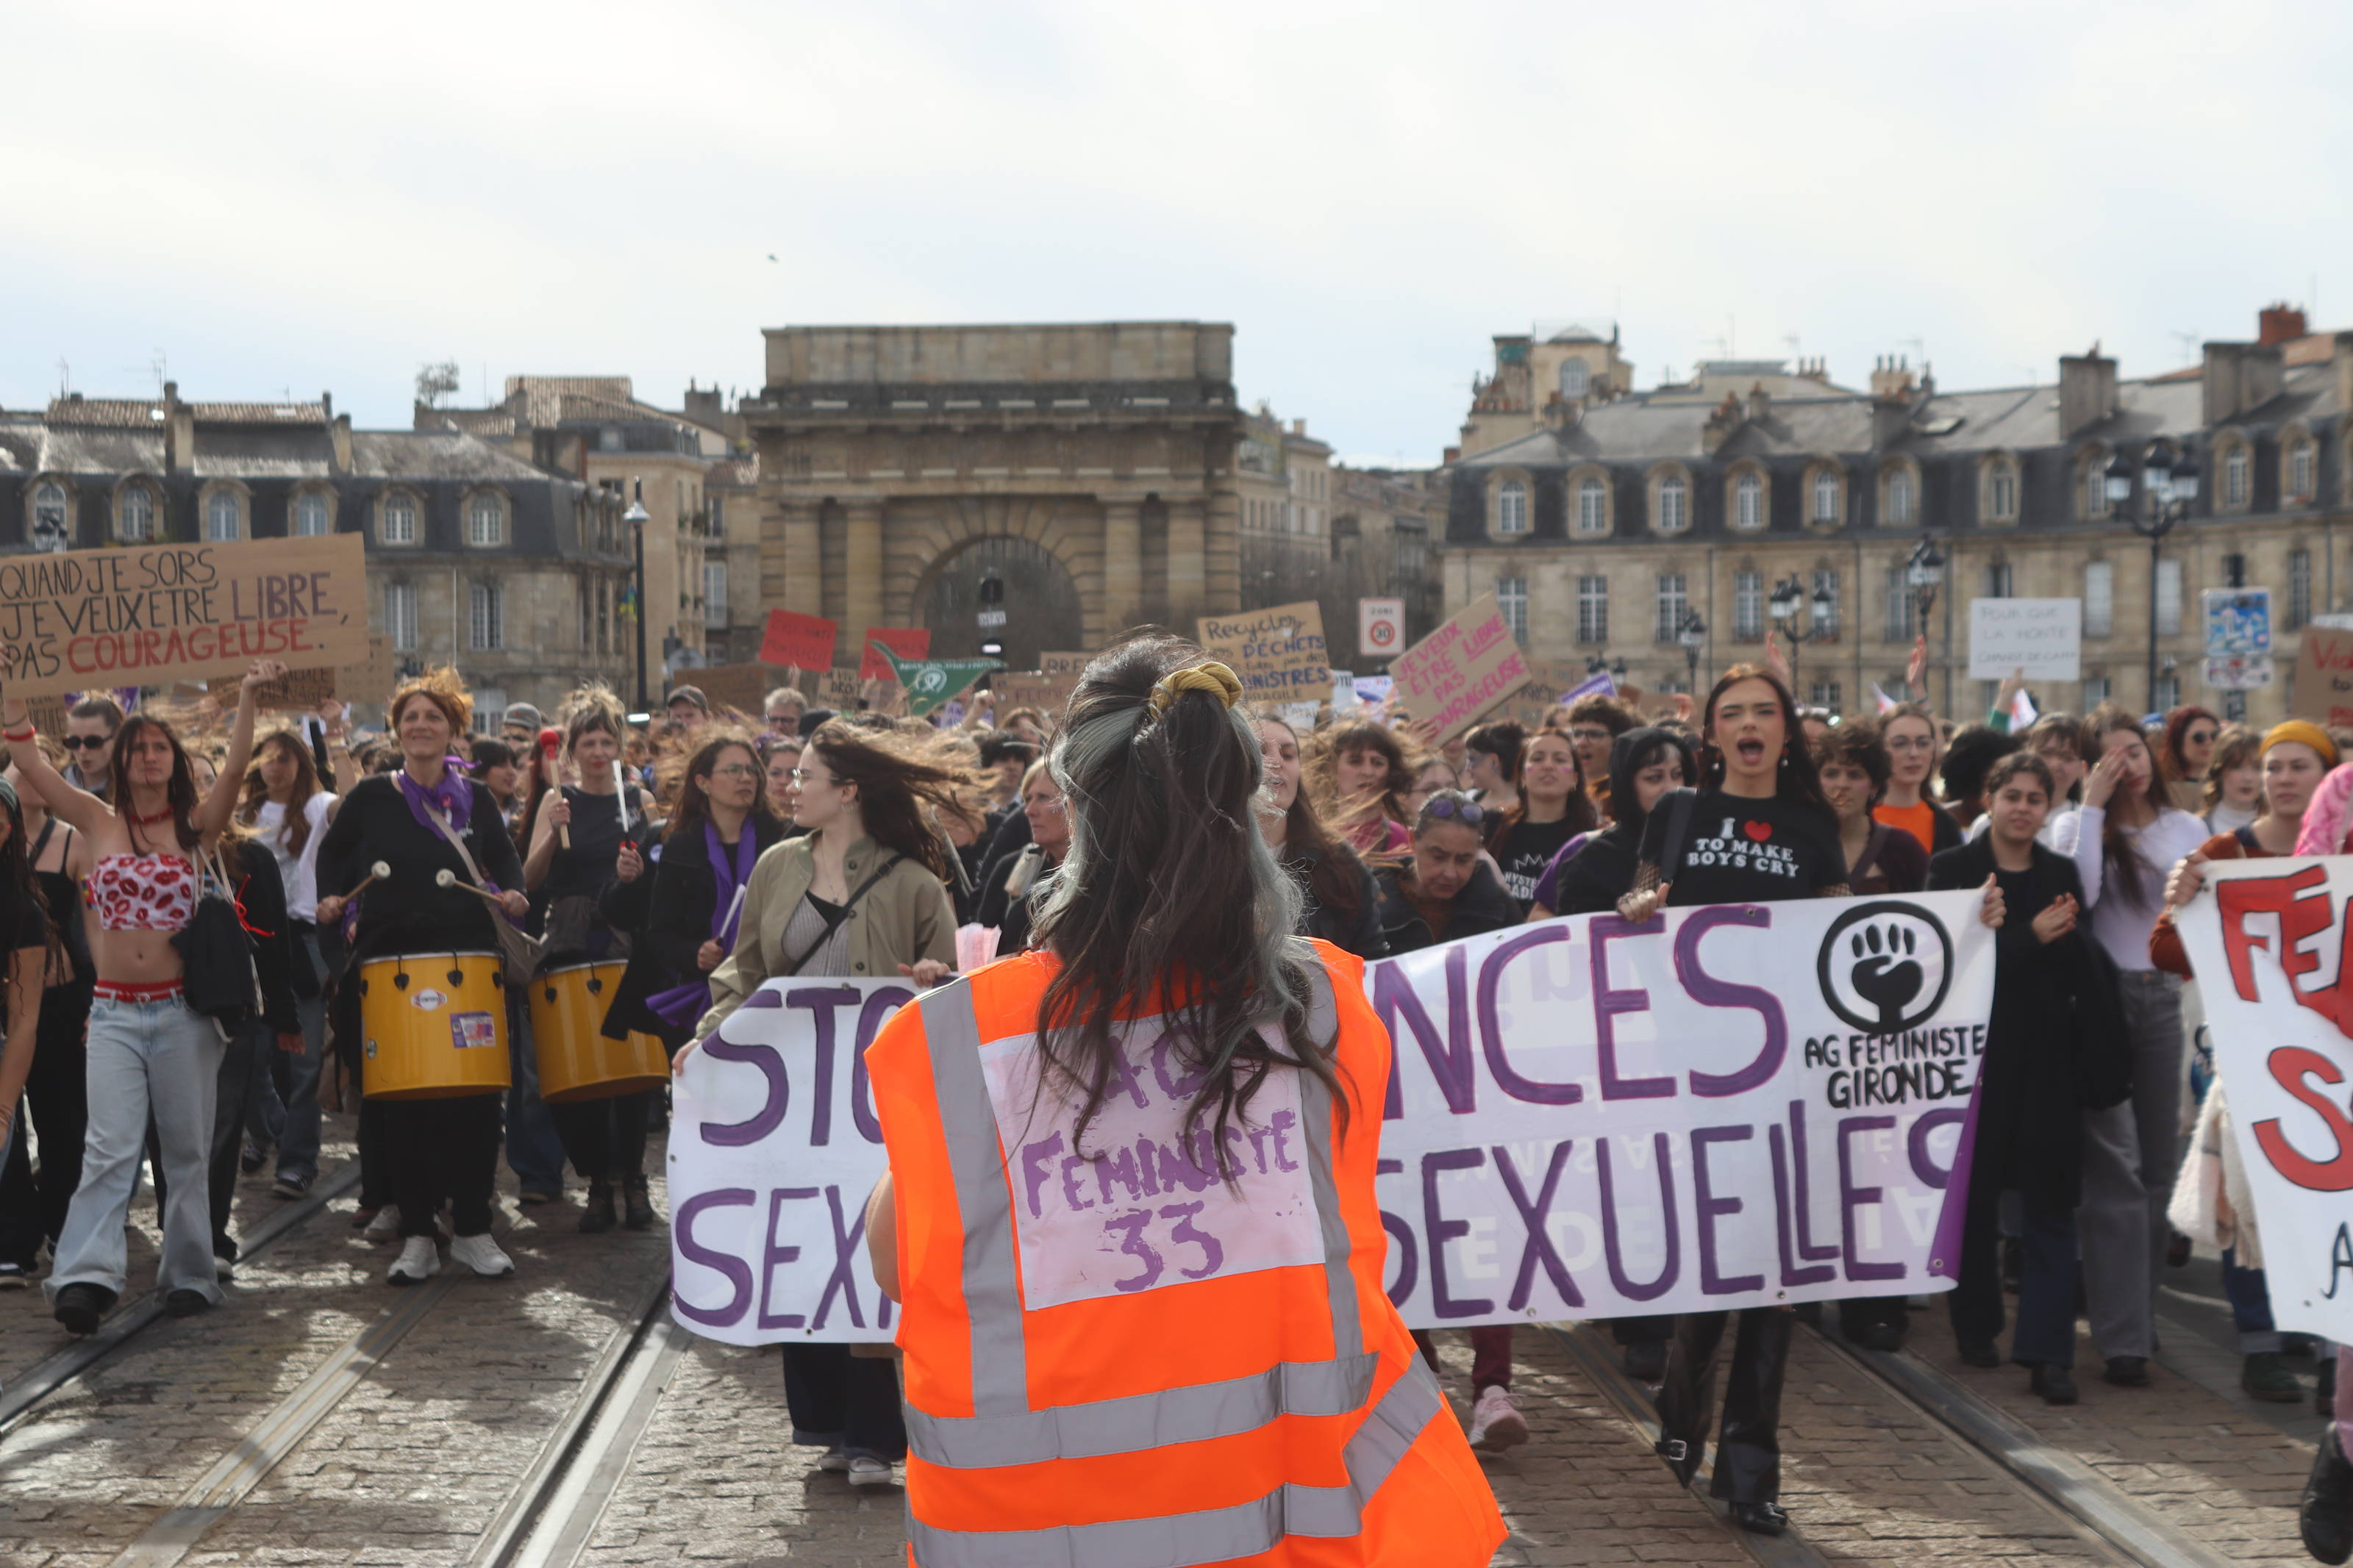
column 1726, row 1107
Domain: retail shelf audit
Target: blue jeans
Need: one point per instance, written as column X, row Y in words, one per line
column 2251, row 1306
column 282, row 1107
column 534, row 1152
column 147, row 1061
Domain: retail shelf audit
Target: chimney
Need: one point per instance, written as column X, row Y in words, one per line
column 1559, row 412
column 1299, row 427
column 1891, row 377
column 2088, row 390
column 1454, row 454
column 179, row 432
column 2239, row 377
column 1722, row 421
column 338, row 439
column 2277, row 324
column 1760, row 402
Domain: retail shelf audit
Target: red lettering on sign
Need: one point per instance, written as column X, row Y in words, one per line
column 2290, row 1065
column 2299, row 918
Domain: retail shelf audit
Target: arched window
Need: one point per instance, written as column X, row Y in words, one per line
column 486, row 521
column 222, row 519
column 2001, row 491
column 2091, row 488
column 1826, row 496
column 309, row 514
column 1674, row 504
column 1512, row 507
column 1592, row 507
column 1748, row 501
column 2299, row 471
column 1899, row 497
column 1575, row 376
column 49, row 525
column 134, row 515
column 400, row 519
column 2235, row 487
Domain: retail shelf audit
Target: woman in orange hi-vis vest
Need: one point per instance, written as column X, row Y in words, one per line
column 1130, row 1210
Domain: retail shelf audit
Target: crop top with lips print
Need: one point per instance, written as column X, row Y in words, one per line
column 143, row 893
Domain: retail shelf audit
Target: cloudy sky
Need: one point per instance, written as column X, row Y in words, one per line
column 294, row 197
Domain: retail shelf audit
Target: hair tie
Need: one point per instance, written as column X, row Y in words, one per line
column 1208, row 675
column 2306, row 732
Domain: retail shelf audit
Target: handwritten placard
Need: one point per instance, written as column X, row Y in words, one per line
column 1049, row 694
column 2044, row 638
column 742, row 686
column 153, row 614
column 2324, row 678
column 1279, row 652
column 1456, row 674
column 798, row 641
column 1064, row 663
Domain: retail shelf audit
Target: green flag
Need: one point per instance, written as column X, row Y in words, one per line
column 931, row 681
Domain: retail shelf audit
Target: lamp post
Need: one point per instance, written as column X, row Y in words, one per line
column 1788, row 595
column 1923, row 572
column 1601, row 664
column 1691, row 631
column 636, row 516
column 2168, row 485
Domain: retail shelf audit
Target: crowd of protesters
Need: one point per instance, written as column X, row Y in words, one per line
column 704, row 851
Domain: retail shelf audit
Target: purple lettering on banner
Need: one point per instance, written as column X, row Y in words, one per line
column 1539, row 1247
column 1450, row 1062
column 1036, row 1168
column 1786, row 1224
column 1710, row 992
column 1491, row 1024
column 1709, row 1205
column 1145, row 1151
column 771, row 1116
column 1119, row 1077
column 844, row 1276
column 1851, row 1197
column 1607, row 1004
column 871, row 1019
column 1442, row 1230
column 1916, row 1145
column 772, row 1255
column 1147, row 1257
column 1802, row 1174
column 1409, row 1270
column 820, row 1001
column 1072, row 1165
column 1213, row 1254
column 1179, row 1090
column 1280, row 1125
column 1662, row 1153
column 1190, row 1164
column 737, row 1272
column 1117, row 1164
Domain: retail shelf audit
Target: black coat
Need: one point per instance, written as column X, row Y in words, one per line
column 279, row 963
column 1483, row 905
column 2055, row 1037
column 1011, row 916
column 1360, row 933
column 667, row 912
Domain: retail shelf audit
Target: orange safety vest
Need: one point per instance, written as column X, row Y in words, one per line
column 1112, row 1359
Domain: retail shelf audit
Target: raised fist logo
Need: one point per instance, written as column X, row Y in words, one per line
column 1884, row 966
column 1885, row 972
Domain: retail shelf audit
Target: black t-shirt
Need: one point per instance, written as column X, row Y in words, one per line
column 1743, row 850
column 1524, row 849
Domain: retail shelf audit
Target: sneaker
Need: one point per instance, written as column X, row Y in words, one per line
column 481, row 1255
column 224, row 1269
column 2057, row 1385
column 290, row 1187
column 364, row 1216
column 186, row 1304
column 386, row 1225
column 2127, row 1371
column 79, row 1307
column 252, row 1158
column 866, row 1472
column 419, row 1261
column 531, row 1198
column 2265, row 1376
column 833, row 1460
column 1495, row 1421
column 14, row 1275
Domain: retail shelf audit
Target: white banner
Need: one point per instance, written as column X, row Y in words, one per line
column 1729, row 1107
column 2267, row 944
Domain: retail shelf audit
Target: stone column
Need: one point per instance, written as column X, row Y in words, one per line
column 1222, row 544
column 1188, row 564
column 1123, row 565
column 802, row 557
column 862, row 568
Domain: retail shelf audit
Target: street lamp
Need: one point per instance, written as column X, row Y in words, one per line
column 1691, row 631
column 1600, row 663
column 1788, row 597
column 636, row 516
column 2168, row 485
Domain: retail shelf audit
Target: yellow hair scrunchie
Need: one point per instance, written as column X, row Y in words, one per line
column 2305, row 731
column 1208, row 676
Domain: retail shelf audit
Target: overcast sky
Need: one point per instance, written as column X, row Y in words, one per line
column 304, row 197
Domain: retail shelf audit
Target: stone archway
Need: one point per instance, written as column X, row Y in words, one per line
column 1043, row 606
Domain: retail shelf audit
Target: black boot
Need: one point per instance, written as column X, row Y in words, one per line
column 597, row 1217
column 2057, row 1385
column 79, row 1307
column 2325, row 1513
column 638, row 1210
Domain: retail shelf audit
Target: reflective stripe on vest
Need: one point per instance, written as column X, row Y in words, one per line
column 1212, row 1535
column 1003, row 1430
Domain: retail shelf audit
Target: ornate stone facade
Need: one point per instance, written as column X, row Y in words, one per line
column 1088, row 468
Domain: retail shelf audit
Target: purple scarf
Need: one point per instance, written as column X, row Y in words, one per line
column 454, row 795
column 683, row 1004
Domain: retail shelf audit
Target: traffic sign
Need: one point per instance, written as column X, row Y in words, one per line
column 1380, row 626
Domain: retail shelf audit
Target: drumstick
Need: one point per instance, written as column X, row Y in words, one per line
column 376, row 873
column 621, row 795
column 549, row 740
column 735, row 907
column 446, row 877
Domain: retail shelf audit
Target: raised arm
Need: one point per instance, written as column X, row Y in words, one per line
column 80, row 809
column 213, row 812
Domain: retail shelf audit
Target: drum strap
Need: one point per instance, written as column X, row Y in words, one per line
column 518, row 948
column 793, row 966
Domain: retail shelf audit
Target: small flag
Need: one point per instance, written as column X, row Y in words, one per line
column 1599, row 684
column 2023, row 712
column 1886, row 703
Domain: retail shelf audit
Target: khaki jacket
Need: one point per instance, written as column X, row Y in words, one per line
column 906, row 917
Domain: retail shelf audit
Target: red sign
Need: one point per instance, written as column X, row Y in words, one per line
column 805, row 642
column 907, row 642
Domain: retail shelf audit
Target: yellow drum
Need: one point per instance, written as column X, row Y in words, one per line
column 568, row 1026
column 433, row 1026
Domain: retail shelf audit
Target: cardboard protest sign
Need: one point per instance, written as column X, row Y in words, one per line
column 1453, row 676
column 152, row 614
column 742, row 686
column 928, row 682
column 2267, row 939
column 839, row 689
column 1279, row 653
column 798, row 641
column 2324, row 678
column 2043, row 637
column 1786, row 1120
column 1064, row 663
column 1049, row 694
column 907, row 642
column 301, row 690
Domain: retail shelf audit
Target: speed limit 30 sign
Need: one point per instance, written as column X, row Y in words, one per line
column 1380, row 626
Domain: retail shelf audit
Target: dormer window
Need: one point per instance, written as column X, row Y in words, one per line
column 1748, row 501
column 134, row 515
column 1575, row 377
column 1512, row 507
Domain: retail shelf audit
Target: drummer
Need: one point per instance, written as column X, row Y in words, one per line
column 431, row 1146
column 575, row 842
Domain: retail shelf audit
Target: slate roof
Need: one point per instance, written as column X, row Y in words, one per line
column 141, row 413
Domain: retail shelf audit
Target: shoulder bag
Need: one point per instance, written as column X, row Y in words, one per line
column 518, row 948
column 216, row 956
column 833, row 921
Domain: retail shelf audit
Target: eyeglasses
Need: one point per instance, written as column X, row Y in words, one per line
column 94, row 742
column 1911, row 743
column 1594, row 733
column 735, row 770
column 1469, row 813
column 2200, row 737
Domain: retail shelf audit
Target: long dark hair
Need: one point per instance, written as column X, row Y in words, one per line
column 16, row 874
column 1581, row 817
column 180, row 792
column 2122, row 865
column 2168, row 755
column 1796, row 778
column 1629, row 755
column 297, row 828
column 897, row 775
column 1332, row 878
column 1346, row 739
column 1169, row 899
column 695, row 802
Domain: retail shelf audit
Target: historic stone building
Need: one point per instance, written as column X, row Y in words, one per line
column 1610, row 523
column 1087, row 470
column 475, row 558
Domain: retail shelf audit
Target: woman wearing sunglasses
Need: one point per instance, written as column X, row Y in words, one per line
column 1446, row 889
